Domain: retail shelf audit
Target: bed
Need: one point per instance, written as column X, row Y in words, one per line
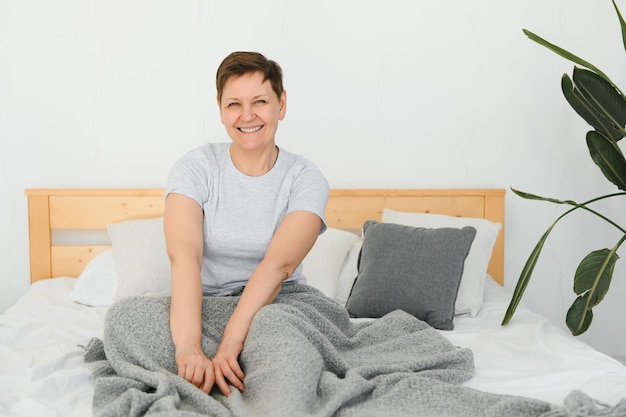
column 96, row 234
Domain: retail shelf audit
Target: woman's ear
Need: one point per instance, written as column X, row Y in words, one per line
column 283, row 105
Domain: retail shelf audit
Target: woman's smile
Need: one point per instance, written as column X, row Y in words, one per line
column 250, row 129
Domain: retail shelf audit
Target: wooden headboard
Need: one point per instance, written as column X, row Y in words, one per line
column 94, row 209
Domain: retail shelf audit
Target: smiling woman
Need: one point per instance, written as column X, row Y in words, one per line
column 239, row 219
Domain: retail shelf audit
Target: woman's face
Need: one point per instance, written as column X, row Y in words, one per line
column 250, row 111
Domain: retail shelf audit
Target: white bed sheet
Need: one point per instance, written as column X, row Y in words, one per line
column 533, row 357
column 41, row 361
column 42, row 373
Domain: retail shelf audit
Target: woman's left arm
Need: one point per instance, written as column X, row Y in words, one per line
column 293, row 239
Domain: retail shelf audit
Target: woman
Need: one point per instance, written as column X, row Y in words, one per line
column 239, row 214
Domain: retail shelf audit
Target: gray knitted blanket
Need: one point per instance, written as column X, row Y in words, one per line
column 302, row 357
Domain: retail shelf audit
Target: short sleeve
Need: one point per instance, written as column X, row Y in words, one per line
column 189, row 176
column 309, row 192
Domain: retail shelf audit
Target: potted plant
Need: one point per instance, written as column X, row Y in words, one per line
column 599, row 101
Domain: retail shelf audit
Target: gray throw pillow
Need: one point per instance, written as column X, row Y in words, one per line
column 414, row 269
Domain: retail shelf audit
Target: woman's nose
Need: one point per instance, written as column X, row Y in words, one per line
column 248, row 113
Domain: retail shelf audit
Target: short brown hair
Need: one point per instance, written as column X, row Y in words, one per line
column 240, row 63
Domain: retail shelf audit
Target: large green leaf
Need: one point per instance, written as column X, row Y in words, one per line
column 591, row 282
column 530, row 196
column 594, row 274
column 606, row 104
column 526, row 274
column 586, row 109
column 607, row 155
column 621, row 23
column 566, row 54
column 578, row 317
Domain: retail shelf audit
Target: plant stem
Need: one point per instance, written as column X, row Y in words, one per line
column 584, row 207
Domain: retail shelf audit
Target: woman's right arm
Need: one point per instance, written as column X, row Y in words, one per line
column 183, row 222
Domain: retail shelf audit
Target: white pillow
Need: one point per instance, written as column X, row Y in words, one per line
column 348, row 273
column 96, row 285
column 323, row 263
column 470, row 296
column 143, row 266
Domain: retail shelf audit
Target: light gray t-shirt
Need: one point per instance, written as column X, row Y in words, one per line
column 241, row 213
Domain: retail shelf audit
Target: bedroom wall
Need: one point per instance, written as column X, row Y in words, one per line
column 392, row 93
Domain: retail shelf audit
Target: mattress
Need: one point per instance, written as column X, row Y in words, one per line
column 43, row 334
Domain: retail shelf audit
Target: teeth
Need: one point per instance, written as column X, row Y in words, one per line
column 250, row 129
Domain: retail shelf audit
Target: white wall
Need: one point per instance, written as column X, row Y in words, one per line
column 394, row 93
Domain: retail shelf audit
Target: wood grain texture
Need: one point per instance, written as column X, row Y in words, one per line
column 90, row 209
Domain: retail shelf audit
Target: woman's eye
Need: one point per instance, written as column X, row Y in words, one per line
column 260, row 101
column 232, row 104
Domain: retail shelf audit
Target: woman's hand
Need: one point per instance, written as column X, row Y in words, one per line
column 227, row 369
column 292, row 240
column 195, row 367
